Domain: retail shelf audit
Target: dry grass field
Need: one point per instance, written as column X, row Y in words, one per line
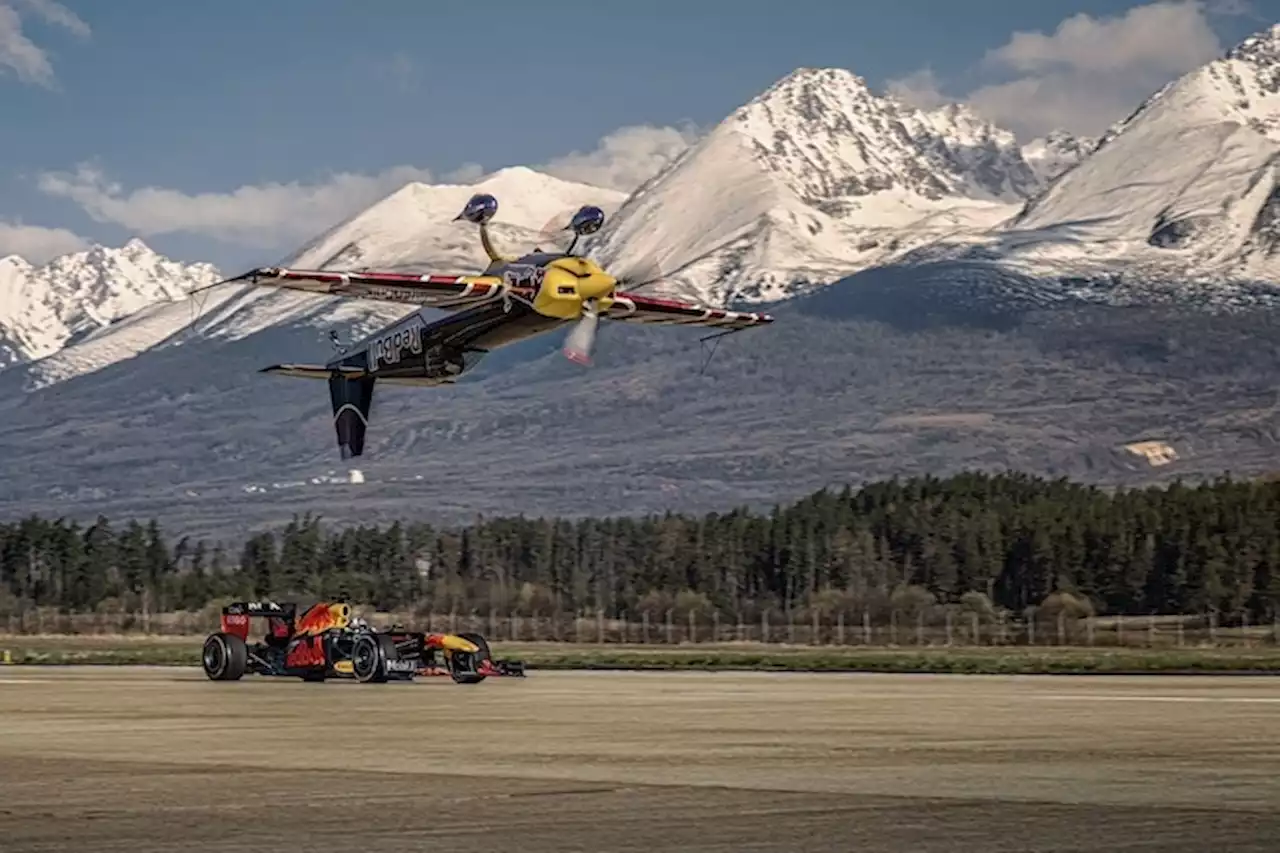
column 160, row 759
column 1257, row 658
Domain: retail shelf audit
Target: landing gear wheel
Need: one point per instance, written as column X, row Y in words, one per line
column 463, row 666
column 224, row 657
column 369, row 656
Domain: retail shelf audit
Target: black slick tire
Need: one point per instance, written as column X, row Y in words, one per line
column 369, row 656
column 224, row 657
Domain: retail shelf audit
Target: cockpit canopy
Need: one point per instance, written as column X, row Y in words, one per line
column 480, row 208
column 588, row 220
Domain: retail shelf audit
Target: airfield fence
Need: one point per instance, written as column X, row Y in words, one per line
column 896, row 629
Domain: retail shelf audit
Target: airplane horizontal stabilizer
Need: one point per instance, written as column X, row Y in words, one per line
column 313, row 371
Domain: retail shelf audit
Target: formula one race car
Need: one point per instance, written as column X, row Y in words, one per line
column 327, row 642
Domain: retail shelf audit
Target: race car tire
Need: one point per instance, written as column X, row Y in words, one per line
column 462, row 665
column 369, row 656
column 224, row 657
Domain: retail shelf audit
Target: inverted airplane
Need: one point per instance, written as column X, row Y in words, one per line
column 512, row 300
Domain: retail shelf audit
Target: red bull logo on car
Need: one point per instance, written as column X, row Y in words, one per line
column 322, row 617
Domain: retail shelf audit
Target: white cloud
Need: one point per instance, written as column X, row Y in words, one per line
column 37, row 244
column 274, row 215
column 264, row 215
column 1166, row 38
column 920, row 89
column 1089, row 72
column 56, row 13
column 18, row 53
column 624, row 159
column 468, row 173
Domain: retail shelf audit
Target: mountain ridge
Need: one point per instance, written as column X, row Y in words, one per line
column 978, row 169
column 44, row 307
column 814, row 179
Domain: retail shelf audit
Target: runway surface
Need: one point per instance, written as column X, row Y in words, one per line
column 133, row 759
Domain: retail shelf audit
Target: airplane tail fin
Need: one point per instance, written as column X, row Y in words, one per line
column 352, row 399
column 351, row 394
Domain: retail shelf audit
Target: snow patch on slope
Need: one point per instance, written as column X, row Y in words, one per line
column 1052, row 155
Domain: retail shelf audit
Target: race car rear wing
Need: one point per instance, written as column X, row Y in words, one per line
column 236, row 615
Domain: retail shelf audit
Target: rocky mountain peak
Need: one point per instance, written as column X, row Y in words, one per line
column 831, row 138
column 1261, row 49
column 41, row 308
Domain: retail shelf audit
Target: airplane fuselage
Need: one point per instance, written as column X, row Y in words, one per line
column 419, row 350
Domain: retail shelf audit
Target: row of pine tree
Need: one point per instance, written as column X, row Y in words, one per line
column 1012, row 539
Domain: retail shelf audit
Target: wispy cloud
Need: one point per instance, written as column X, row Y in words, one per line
column 253, row 215
column 37, row 244
column 625, row 158
column 21, row 56
column 920, row 88
column 1089, row 72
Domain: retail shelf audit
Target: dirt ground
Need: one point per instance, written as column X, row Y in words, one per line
column 132, row 759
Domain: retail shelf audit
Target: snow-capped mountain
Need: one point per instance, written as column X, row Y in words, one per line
column 1187, row 183
column 42, row 308
column 1051, row 155
column 413, row 229
column 816, row 178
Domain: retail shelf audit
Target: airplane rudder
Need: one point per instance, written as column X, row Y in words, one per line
column 352, row 400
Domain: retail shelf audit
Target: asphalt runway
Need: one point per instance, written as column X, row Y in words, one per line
column 155, row 759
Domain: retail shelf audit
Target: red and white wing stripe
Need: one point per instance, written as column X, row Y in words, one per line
column 436, row 291
column 650, row 309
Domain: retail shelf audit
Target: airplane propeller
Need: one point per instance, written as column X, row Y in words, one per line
column 645, row 272
column 581, row 340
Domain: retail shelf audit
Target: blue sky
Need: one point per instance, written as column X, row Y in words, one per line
column 232, row 131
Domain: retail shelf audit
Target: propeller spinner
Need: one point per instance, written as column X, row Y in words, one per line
column 595, row 287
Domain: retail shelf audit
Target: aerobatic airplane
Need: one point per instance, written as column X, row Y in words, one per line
column 512, row 300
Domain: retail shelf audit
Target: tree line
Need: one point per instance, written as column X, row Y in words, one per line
column 985, row 541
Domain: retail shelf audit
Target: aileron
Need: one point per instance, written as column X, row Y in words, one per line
column 436, row 291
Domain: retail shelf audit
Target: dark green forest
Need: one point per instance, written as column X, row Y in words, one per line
column 1008, row 541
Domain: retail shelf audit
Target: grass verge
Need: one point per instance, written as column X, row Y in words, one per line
column 185, row 651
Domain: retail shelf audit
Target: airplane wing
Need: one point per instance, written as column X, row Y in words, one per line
column 650, row 309
column 437, row 291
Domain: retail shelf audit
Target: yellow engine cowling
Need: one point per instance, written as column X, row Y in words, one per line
column 568, row 282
